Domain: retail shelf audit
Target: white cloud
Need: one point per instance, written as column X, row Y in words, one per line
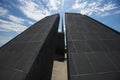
column 80, row 5
column 36, row 10
column 30, row 22
column 94, row 7
column 108, row 6
column 54, row 4
column 11, row 26
column 105, row 14
column 15, row 23
column 3, row 11
column 15, row 19
column 117, row 12
column 33, row 10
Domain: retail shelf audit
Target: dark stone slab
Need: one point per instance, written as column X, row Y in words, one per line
column 93, row 49
column 71, row 47
column 112, row 45
column 100, row 76
column 30, row 55
column 81, row 46
column 76, row 36
column 82, row 63
column 101, row 62
column 97, row 46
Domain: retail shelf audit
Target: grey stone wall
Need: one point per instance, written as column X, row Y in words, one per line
column 93, row 49
column 29, row 56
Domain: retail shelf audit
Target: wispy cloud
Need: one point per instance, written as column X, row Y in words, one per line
column 105, row 14
column 94, row 7
column 108, row 6
column 79, row 5
column 55, row 4
column 32, row 10
column 11, row 26
column 30, row 22
column 15, row 19
column 40, row 9
column 15, row 23
column 3, row 11
column 117, row 12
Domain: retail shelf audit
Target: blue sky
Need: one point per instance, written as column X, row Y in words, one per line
column 17, row 15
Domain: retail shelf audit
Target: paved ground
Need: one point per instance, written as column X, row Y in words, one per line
column 59, row 70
